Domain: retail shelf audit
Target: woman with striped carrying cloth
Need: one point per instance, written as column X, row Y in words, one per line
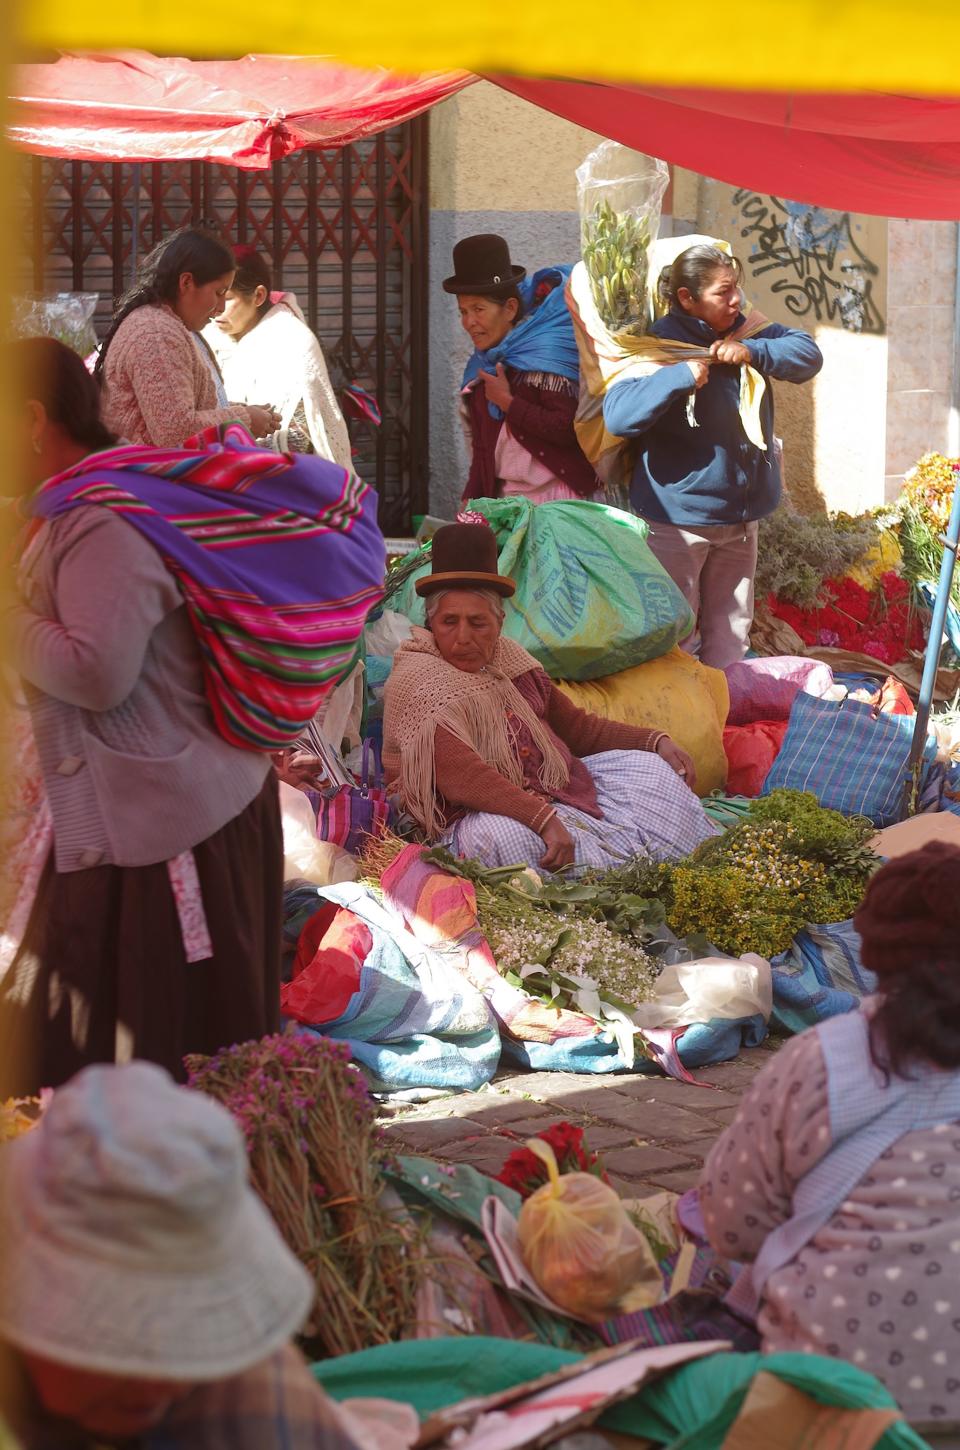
column 182, row 613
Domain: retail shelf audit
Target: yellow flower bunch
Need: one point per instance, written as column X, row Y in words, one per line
column 929, row 488
column 14, row 1120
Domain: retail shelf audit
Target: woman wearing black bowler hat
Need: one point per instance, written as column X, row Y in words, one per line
column 522, row 382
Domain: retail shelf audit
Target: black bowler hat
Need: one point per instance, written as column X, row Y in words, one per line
column 481, row 265
column 464, row 556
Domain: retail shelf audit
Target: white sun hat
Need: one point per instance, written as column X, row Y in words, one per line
column 132, row 1242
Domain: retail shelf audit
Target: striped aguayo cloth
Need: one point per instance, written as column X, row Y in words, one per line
column 279, row 558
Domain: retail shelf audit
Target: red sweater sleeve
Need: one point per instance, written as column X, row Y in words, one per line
column 468, row 783
column 587, row 734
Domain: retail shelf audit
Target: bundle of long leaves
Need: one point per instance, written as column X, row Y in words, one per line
column 316, row 1156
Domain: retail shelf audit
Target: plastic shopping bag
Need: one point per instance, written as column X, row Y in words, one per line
column 619, row 192
column 585, row 1254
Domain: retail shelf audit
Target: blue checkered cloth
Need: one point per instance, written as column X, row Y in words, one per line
column 851, row 759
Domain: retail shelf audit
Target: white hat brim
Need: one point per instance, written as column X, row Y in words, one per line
column 193, row 1323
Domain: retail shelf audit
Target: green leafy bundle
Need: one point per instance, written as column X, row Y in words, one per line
column 616, row 256
column 798, row 552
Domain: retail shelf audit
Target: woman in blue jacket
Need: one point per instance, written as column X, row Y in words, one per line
column 699, row 480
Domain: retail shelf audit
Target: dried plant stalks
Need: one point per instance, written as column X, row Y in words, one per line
column 316, row 1154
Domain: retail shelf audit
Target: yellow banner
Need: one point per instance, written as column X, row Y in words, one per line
column 838, row 45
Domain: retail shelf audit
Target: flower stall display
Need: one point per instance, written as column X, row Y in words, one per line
column 835, row 580
column 881, row 622
column 316, row 1158
column 525, row 1171
column 922, row 513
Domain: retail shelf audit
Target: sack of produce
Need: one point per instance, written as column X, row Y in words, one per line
column 580, row 1246
column 591, row 599
column 675, row 693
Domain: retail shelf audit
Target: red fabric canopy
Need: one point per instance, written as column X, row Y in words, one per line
column 880, row 154
column 132, row 106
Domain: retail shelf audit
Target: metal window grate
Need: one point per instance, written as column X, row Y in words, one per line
column 346, row 230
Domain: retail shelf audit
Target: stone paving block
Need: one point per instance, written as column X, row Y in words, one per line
column 678, row 1181
column 646, row 1161
column 684, row 1094
column 487, row 1155
column 602, row 1139
column 528, row 1127
column 430, row 1136
column 516, row 1110
column 663, row 1122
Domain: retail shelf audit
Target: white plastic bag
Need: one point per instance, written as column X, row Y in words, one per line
column 306, row 858
column 67, row 316
column 619, row 193
column 725, row 987
column 385, row 636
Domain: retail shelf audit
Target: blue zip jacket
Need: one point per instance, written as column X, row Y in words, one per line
column 712, row 474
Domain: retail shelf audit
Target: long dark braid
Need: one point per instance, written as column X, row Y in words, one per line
column 197, row 250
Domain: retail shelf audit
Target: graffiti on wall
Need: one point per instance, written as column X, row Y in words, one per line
column 810, row 259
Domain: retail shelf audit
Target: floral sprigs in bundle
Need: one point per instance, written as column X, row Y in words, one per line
column 792, row 862
column 525, row 1172
column 554, row 940
column 798, row 554
column 923, row 512
column 316, row 1156
column 880, row 622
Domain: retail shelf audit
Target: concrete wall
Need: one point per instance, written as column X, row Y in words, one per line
column 497, row 164
column 878, row 296
column 921, row 312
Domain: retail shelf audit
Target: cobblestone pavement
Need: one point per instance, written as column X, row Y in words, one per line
column 652, row 1132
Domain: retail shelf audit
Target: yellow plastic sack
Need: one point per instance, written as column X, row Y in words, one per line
column 580, row 1246
column 675, row 693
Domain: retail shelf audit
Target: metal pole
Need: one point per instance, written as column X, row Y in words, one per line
column 932, row 656
column 135, row 224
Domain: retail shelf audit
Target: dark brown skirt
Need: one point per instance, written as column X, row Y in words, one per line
column 102, row 966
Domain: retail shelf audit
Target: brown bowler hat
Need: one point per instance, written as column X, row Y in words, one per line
column 464, row 556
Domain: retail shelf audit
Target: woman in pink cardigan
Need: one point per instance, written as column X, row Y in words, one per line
column 160, row 380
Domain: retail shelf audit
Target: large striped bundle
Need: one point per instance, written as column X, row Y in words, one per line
column 279, row 559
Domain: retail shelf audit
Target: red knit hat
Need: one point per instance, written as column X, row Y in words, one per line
column 911, row 910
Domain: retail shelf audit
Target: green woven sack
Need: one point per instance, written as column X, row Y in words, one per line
column 591, row 599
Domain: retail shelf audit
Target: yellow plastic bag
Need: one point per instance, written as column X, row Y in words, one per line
column 675, row 693
column 586, row 1255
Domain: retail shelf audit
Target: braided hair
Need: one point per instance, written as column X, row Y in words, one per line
column 198, row 250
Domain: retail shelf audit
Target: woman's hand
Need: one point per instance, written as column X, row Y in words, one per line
column 263, row 421
column 678, row 760
column 700, row 369
column 560, row 850
column 733, row 353
column 497, row 388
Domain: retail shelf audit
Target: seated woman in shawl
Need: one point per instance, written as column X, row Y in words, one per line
column 147, row 916
column 490, row 758
column 266, row 350
column 521, row 385
column 839, row 1180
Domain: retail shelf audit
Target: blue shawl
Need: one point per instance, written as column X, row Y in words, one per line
column 543, row 342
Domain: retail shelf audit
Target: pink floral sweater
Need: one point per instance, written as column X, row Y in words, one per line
column 158, row 391
column 879, row 1284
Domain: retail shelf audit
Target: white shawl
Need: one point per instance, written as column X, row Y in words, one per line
column 279, row 364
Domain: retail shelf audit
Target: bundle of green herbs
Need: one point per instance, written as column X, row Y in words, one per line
column 790, row 863
column 616, row 257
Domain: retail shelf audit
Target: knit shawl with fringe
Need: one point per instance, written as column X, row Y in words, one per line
column 425, row 692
